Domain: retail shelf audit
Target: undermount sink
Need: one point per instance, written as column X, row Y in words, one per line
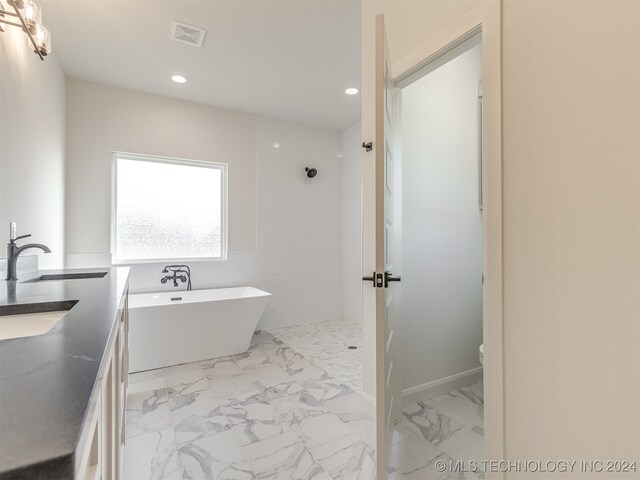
column 66, row 276
column 30, row 319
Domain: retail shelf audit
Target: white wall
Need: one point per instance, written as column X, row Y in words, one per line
column 441, row 327
column 285, row 229
column 300, row 222
column 571, row 216
column 103, row 119
column 352, row 224
column 32, row 146
column 571, row 227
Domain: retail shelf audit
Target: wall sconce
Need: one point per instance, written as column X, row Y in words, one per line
column 29, row 19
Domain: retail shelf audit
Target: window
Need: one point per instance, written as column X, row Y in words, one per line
column 168, row 209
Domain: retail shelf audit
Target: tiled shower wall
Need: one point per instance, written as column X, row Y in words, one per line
column 299, row 230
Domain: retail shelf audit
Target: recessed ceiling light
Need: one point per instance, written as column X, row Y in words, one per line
column 179, row 79
column 351, row 91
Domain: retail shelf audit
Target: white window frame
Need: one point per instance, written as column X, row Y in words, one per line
column 223, row 167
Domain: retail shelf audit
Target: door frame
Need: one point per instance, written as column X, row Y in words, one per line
column 486, row 19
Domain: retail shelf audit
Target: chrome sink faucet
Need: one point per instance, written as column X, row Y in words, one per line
column 13, row 251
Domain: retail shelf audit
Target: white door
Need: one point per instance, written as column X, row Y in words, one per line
column 388, row 401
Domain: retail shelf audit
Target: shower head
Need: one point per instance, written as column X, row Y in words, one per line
column 311, row 172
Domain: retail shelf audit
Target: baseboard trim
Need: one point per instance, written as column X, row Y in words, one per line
column 368, row 398
column 429, row 390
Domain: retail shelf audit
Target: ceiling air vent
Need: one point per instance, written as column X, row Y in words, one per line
column 183, row 33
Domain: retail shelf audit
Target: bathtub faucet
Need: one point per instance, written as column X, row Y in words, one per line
column 175, row 273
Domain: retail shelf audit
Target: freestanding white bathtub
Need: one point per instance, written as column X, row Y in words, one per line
column 171, row 328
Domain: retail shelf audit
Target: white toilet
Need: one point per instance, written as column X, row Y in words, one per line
column 481, row 354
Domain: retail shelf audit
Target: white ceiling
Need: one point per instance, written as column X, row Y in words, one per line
column 286, row 59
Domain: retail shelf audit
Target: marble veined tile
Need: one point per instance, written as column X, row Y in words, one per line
column 293, row 408
column 221, row 368
column 146, row 399
column 229, row 387
column 283, row 354
column 196, row 414
column 303, row 369
column 345, row 365
column 264, row 354
column 272, row 380
column 347, row 457
column 326, row 388
column 249, row 407
column 152, row 456
column 437, row 428
column 355, row 384
column 395, row 475
column 266, row 376
column 357, row 413
column 474, row 393
column 253, row 418
column 215, row 456
column 314, row 423
column 283, row 457
column 351, row 405
column 251, row 432
column 326, row 344
column 145, row 381
column 317, row 381
column 276, row 414
column 401, row 433
column 144, row 376
column 147, row 411
column 412, row 455
column 458, row 407
column 186, row 378
column 282, row 390
column 472, row 454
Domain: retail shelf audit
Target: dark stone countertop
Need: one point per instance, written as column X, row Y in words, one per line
column 47, row 381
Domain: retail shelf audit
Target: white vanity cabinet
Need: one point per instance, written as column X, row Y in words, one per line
column 99, row 452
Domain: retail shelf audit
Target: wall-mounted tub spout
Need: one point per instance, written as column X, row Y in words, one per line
column 177, row 272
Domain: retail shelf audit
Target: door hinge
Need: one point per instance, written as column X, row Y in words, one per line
column 367, row 146
column 377, row 280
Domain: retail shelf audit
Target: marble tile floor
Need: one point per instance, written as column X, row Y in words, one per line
column 327, row 345
column 267, row 414
column 448, row 428
column 274, row 414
